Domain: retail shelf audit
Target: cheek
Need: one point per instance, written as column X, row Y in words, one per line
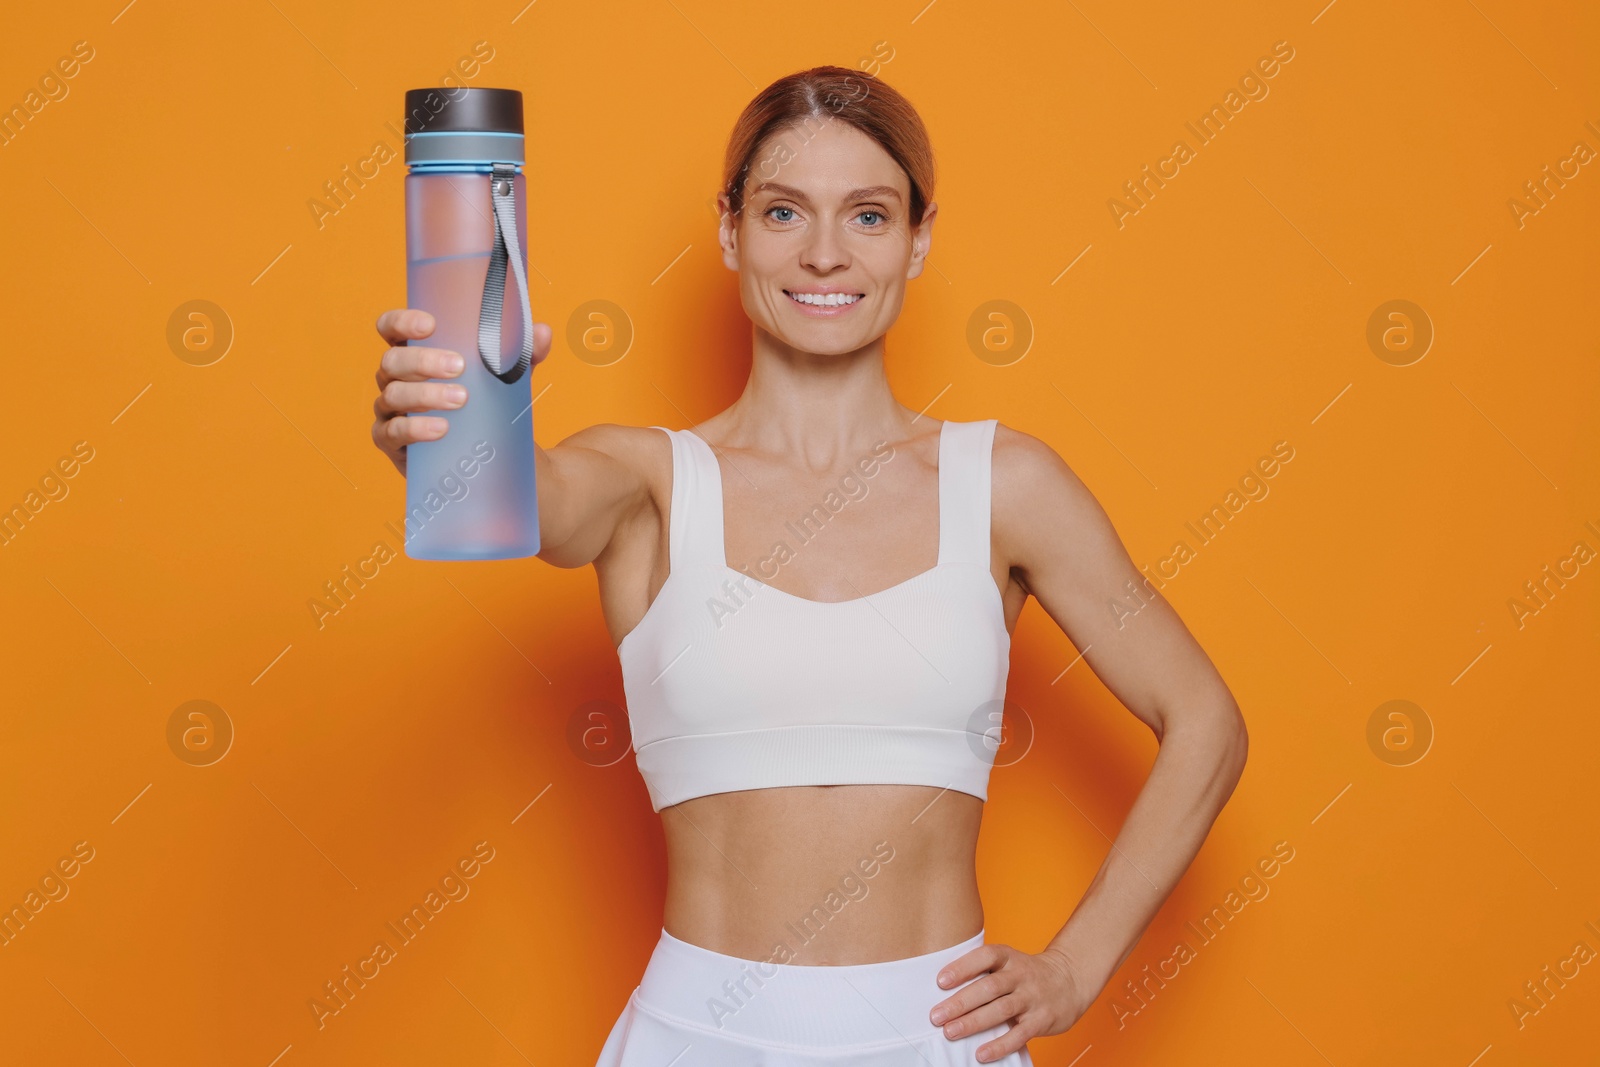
column 759, row 297
column 888, row 282
column 891, row 298
column 763, row 255
column 756, row 285
column 763, row 268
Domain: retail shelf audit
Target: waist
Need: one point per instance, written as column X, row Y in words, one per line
column 844, row 874
column 767, row 1000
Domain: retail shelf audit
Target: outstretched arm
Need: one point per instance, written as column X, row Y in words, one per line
column 587, row 485
column 1068, row 556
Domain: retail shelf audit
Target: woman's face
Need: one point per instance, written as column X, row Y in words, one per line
column 826, row 212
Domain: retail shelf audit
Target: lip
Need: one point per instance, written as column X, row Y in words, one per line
column 824, row 312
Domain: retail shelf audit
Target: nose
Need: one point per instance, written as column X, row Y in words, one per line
column 824, row 250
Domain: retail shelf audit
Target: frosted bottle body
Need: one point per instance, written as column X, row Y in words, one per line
column 470, row 494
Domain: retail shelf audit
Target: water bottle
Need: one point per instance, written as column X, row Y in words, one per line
column 470, row 494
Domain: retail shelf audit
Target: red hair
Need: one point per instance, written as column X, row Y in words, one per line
column 821, row 95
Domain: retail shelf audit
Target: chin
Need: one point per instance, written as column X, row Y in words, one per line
column 821, row 344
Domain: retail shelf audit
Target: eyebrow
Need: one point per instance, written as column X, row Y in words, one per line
column 871, row 192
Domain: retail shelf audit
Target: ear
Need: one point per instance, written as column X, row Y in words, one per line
column 727, row 233
column 922, row 241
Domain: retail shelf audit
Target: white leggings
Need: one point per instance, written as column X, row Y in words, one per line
column 698, row 1008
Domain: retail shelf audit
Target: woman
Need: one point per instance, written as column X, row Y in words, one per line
column 813, row 594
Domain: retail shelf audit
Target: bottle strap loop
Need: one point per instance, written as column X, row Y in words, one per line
column 506, row 247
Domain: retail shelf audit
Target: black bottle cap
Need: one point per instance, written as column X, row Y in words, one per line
column 462, row 110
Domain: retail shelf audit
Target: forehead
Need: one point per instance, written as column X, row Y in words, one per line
column 824, row 159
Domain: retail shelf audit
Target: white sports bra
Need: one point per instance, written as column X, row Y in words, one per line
column 732, row 684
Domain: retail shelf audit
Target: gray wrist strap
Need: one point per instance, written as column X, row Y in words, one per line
column 506, row 247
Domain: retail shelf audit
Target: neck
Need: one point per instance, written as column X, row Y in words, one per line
column 813, row 405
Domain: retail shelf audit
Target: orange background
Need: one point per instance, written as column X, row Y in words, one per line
column 1228, row 314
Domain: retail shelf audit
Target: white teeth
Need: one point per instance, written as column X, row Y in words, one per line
column 825, row 300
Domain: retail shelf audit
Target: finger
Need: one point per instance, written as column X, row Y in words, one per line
column 542, row 333
column 972, row 995
column 394, row 434
column 399, row 397
column 980, row 960
column 980, row 1018
column 417, row 364
column 983, row 958
column 396, row 453
column 1011, row 1041
column 399, row 325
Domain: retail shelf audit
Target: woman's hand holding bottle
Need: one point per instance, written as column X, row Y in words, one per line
column 405, row 384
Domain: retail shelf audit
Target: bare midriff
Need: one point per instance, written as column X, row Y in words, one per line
column 824, row 875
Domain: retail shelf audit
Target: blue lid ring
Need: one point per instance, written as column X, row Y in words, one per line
column 431, row 150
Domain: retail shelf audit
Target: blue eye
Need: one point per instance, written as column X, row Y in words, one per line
column 878, row 215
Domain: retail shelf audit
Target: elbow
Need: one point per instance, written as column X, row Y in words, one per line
column 1236, row 746
column 1216, row 742
column 1216, row 736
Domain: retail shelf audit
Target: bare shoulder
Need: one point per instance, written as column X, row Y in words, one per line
column 643, row 449
column 620, row 442
column 1040, row 506
column 1027, row 473
column 613, row 486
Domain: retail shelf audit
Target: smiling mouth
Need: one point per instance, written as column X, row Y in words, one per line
column 825, row 300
